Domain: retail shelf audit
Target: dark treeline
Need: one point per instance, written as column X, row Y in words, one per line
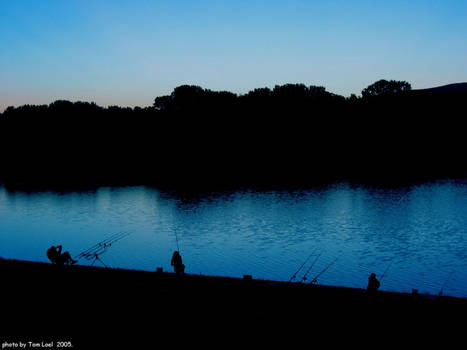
column 291, row 135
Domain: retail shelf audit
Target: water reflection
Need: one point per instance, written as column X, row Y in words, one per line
column 420, row 231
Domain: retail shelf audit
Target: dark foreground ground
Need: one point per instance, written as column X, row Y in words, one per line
column 94, row 307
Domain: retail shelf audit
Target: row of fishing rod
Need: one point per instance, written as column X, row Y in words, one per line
column 315, row 278
column 99, row 248
column 94, row 252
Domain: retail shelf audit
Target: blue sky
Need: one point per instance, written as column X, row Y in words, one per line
column 128, row 52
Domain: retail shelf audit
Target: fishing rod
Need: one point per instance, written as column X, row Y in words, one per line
column 384, row 273
column 314, row 280
column 176, row 240
column 100, row 248
column 101, row 245
column 295, row 274
column 445, row 283
column 309, row 269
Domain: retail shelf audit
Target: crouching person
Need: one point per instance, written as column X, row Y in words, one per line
column 55, row 255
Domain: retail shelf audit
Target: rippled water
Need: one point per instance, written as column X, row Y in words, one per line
column 419, row 232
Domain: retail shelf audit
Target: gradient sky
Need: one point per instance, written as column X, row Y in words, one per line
column 119, row 52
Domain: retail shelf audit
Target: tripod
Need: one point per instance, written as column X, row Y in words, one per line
column 96, row 257
column 96, row 250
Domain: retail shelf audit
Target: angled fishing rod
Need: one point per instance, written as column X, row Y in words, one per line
column 445, row 284
column 295, row 274
column 315, row 279
column 385, row 271
column 176, row 240
column 100, row 248
column 102, row 244
column 311, row 266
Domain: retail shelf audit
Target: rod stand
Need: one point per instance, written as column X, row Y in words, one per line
column 96, row 257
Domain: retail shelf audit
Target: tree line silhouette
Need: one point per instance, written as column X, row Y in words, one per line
column 291, row 135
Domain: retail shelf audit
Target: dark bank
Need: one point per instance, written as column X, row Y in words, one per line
column 47, row 299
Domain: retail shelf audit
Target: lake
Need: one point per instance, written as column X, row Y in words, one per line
column 415, row 235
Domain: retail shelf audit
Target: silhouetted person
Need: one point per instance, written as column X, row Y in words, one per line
column 55, row 255
column 373, row 283
column 177, row 263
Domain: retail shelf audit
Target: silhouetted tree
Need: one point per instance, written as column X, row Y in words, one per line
column 384, row 87
column 292, row 134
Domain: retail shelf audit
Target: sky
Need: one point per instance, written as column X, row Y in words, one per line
column 127, row 52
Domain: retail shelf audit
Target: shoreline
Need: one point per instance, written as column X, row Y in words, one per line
column 12, row 266
column 34, row 286
column 98, row 307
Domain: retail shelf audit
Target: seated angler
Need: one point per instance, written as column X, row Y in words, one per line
column 55, row 255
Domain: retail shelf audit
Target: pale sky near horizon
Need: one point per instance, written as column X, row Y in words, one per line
column 127, row 52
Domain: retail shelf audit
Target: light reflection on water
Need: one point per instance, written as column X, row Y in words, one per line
column 419, row 231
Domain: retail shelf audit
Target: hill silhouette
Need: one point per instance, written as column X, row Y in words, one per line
column 291, row 135
column 450, row 88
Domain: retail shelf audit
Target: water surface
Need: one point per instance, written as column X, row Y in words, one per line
column 418, row 231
